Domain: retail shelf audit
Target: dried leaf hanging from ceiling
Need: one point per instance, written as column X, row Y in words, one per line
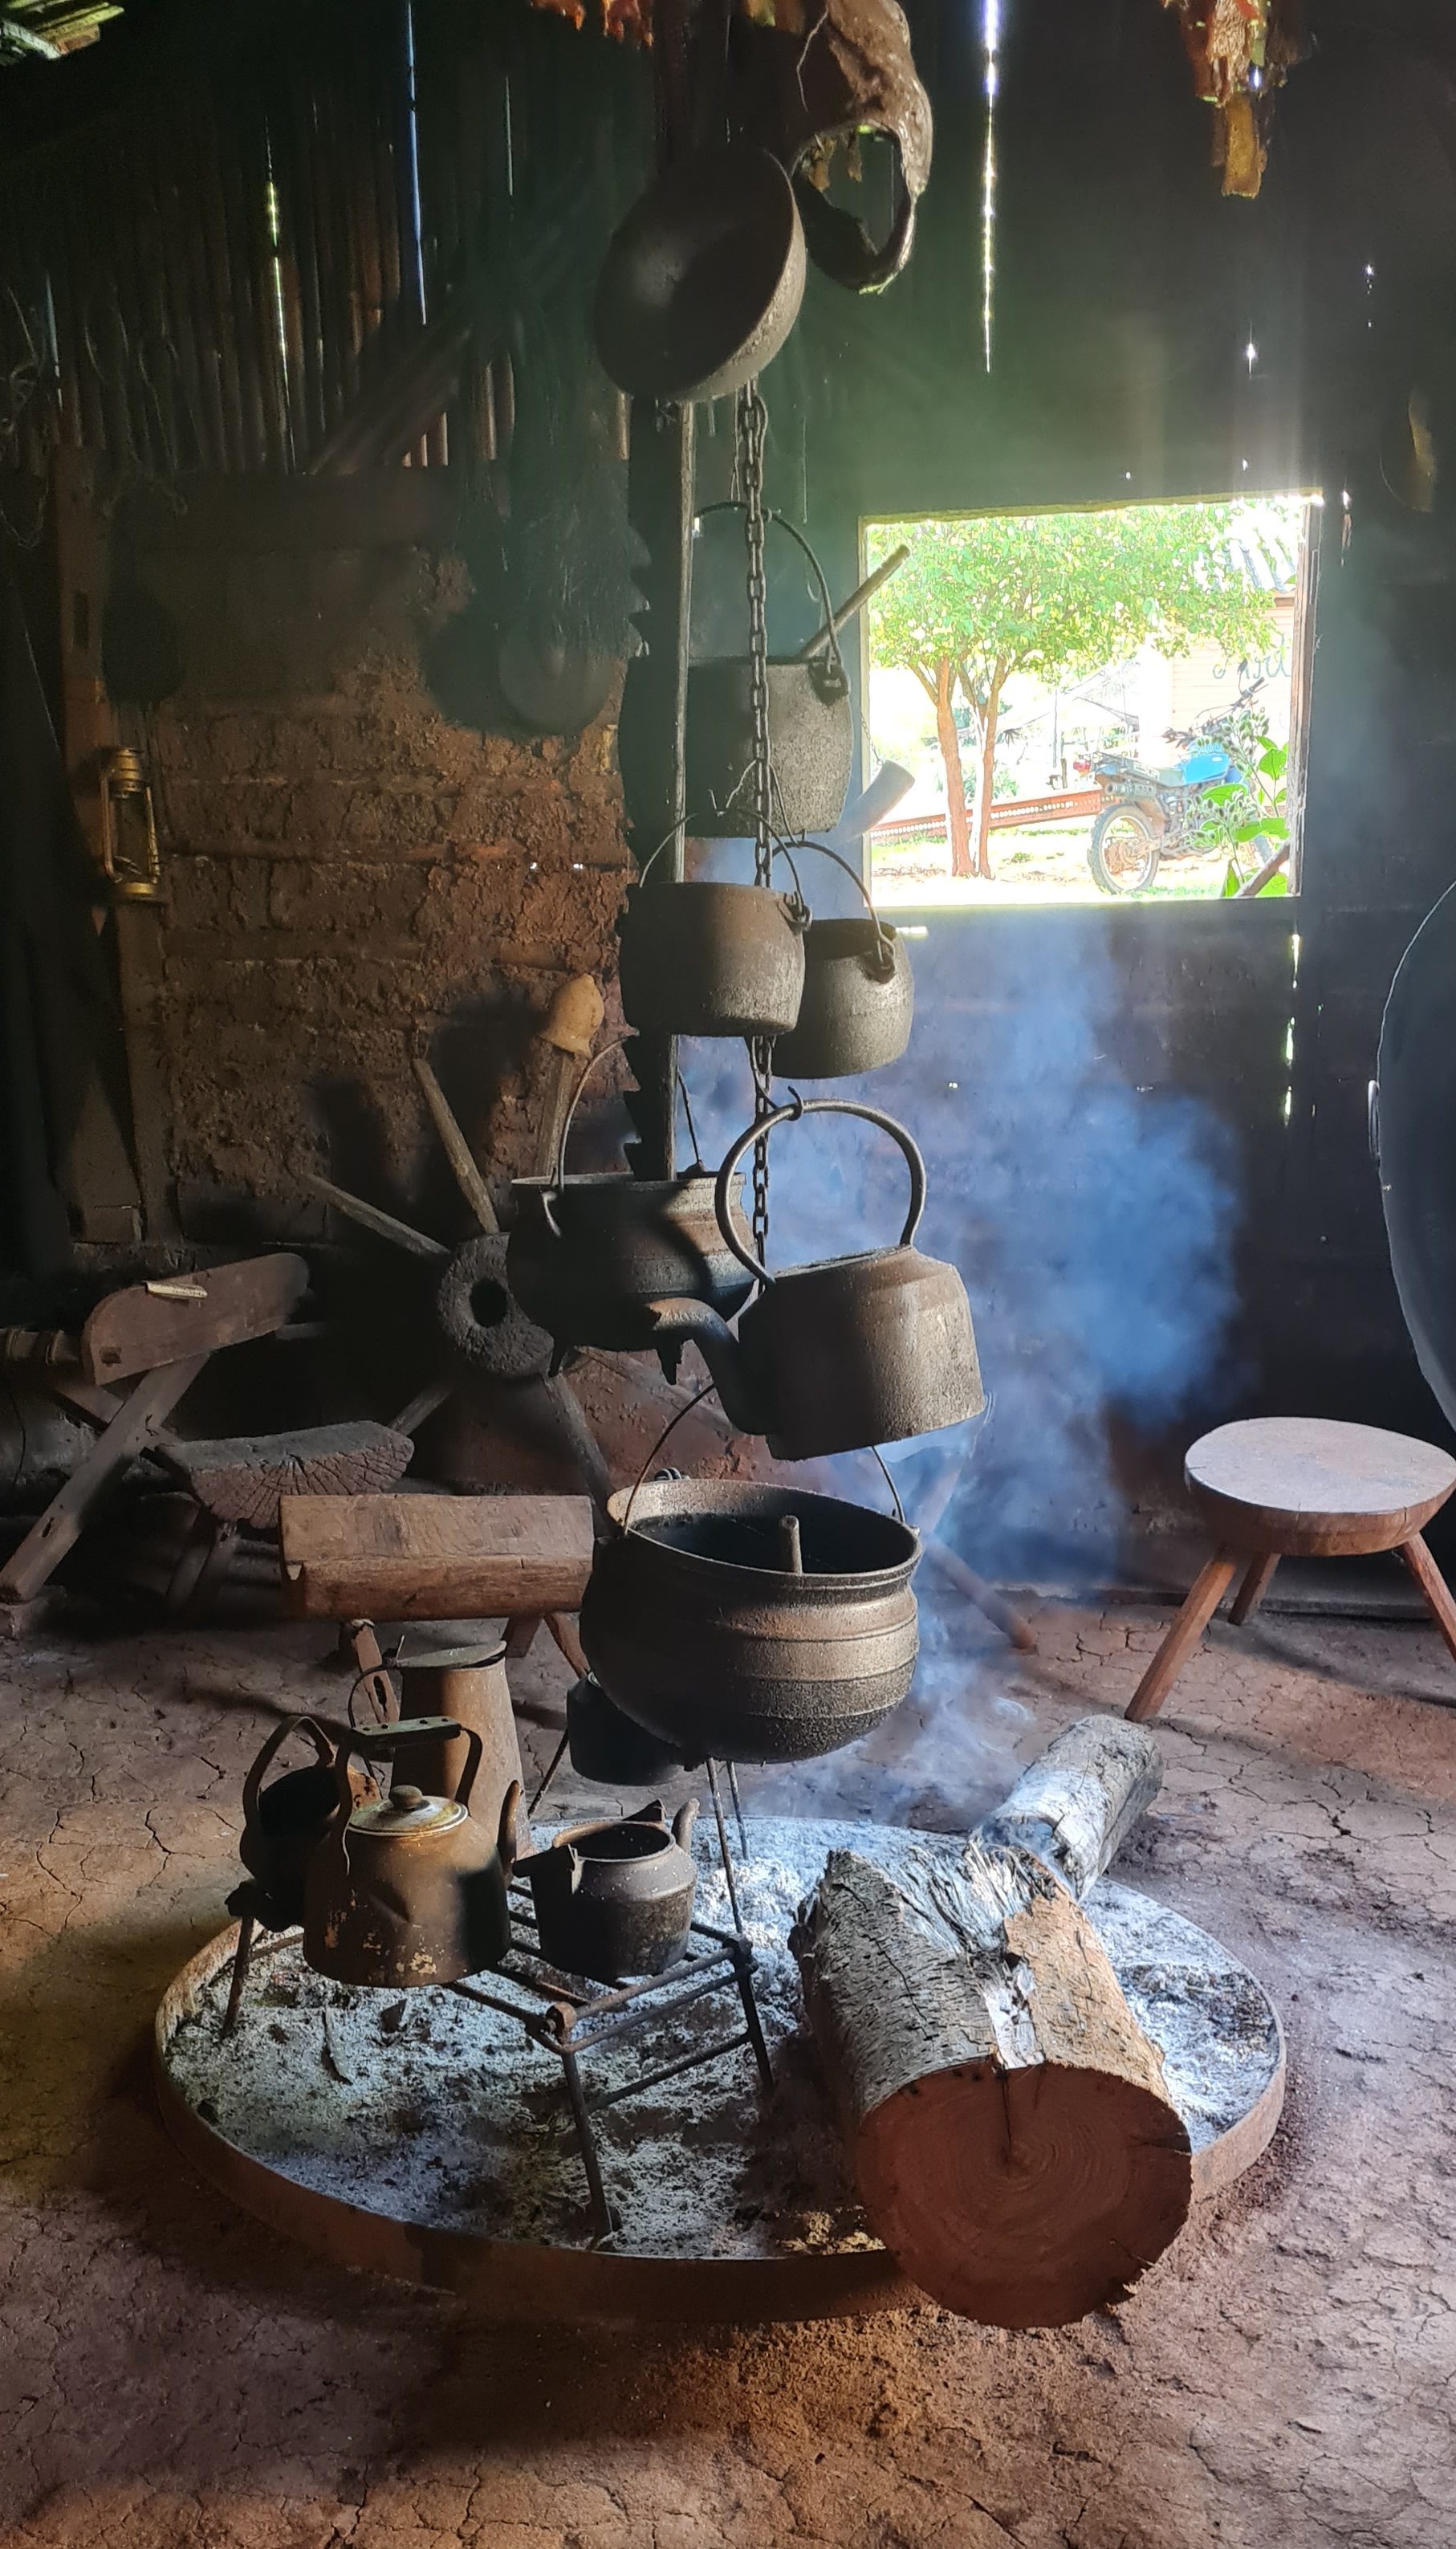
column 1241, row 52
column 629, row 21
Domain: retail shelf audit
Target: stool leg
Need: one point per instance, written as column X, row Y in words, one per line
column 1253, row 1590
column 1203, row 1601
column 1434, row 1585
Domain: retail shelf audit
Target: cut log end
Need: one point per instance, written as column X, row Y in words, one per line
column 1024, row 2198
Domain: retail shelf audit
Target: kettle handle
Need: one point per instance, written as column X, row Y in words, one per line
column 558, row 1172
column 322, row 1747
column 829, row 637
column 785, row 1114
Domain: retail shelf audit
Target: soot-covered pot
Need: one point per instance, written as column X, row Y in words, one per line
column 616, row 1898
column 717, row 1625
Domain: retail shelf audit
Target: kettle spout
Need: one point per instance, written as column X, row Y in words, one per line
column 682, row 1823
column 697, row 1322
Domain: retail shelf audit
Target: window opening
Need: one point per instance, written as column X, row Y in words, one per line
column 1101, row 704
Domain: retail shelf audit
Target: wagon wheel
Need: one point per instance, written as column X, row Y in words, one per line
column 487, row 1334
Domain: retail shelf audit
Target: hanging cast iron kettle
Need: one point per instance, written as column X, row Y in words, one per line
column 811, row 726
column 589, row 1256
column 408, row 1890
column 703, row 959
column 858, row 1005
column 616, row 1898
column 850, row 1351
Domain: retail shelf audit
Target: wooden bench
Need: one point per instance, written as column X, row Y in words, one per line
column 524, row 1559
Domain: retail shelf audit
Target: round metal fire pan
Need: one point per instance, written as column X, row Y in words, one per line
column 1217, row 2030
column 507, row 2279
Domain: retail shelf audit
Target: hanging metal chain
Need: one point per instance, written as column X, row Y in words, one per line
column 752, row 425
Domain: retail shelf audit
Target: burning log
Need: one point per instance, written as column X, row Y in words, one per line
column 1013, row 2140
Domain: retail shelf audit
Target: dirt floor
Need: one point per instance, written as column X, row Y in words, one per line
column 173, row 2376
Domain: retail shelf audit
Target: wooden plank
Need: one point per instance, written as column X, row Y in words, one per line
column 142, row 1328
column 65, row 1517
column 435, row 1558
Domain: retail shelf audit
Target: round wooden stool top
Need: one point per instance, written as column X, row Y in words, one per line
column 1306, row 1486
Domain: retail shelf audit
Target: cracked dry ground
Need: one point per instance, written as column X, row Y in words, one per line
column 173, row 2376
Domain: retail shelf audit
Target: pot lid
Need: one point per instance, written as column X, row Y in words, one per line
column 407, row 1814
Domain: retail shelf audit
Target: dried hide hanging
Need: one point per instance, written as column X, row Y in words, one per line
column 1242, row 51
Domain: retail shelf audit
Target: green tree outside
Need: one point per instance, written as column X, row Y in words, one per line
column 1060, row 596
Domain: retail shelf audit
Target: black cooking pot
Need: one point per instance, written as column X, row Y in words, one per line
column 695, row 1624
column 616, row 1898
column 607, row 1748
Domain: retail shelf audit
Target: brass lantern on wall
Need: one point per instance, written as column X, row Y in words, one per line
column 130, row 857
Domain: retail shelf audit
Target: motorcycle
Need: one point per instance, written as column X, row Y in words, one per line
column 1149, row 815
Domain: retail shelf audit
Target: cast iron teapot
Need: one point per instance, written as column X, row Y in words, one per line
column 615, row 1897
column 408, row 1890
column 853, row 1351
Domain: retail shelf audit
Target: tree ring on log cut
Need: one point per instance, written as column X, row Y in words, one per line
column 482, row 1323
column 1106, row 2151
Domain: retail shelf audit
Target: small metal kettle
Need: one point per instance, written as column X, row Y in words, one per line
column 284, row 1823
column 850, row 1351
column 616, row 1898
column 407, row 1889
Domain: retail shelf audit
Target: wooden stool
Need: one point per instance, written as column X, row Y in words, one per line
column 1301, row 1487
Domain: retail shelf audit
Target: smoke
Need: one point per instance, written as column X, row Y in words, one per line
column 1093, row 1222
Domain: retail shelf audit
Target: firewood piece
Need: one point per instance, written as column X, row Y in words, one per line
column 1006, row 2117
column 1073, row 1807
column 240, row 1479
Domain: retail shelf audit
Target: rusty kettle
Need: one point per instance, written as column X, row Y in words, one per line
column 407, row 1889
column 843, row 1354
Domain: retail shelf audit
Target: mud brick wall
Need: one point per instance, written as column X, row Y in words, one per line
column 350, row 873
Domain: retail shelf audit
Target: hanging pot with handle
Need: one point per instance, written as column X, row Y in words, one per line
column 588, row 1254
column 284, row 1823
column 812, row 728
column 858, row 994
column 846, row 1353
column 703, row 959
column 751, row 1623
column 408, row 1890
column 616, row 1898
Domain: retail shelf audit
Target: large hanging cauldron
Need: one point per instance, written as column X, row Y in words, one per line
column 756, row 1623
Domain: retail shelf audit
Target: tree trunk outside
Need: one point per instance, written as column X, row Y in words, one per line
column 949, row 742
column 985, row 792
